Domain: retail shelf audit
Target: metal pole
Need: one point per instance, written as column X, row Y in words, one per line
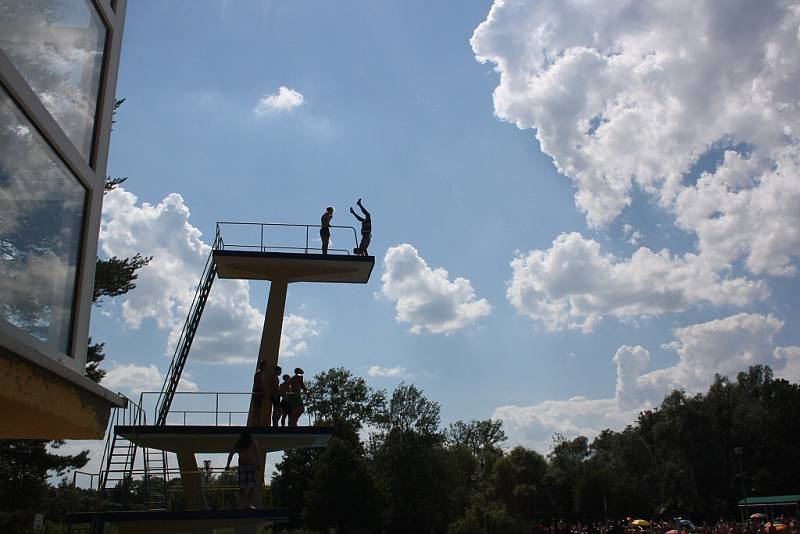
column 306, row 239
column 262, row 238
column 216, row 411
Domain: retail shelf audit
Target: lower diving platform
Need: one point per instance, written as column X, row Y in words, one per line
column 221, row 439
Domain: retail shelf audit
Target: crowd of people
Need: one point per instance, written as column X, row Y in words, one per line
column 778, row 525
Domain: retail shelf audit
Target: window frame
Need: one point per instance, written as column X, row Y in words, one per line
column 91, row 174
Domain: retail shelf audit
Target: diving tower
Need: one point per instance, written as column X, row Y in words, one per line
column 244, row 251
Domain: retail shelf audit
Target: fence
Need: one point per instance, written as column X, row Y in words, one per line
column 272, row 237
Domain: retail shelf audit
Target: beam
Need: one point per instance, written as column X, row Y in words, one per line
column 268, row 352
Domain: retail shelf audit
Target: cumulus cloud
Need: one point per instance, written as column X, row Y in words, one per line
column 386, row 372
column 285, row 99
column 748, row 207
column 134, row 379
column 296, row 330
column 230, row 328
column 426, row 297
column 723, row 346
column 623, row 98
column 573, row 285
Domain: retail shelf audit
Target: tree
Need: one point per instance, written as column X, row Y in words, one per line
column 478, row 436
column 518, row 481
column 410, row 411
column 336, row 395
column 342, row 493
column 25, row 465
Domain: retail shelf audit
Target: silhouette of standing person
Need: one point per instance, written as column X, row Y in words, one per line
column 249, row 460
column 275, row 396
column 366, row 229
column 325, row 231
column 297, row 387
column 286, row 391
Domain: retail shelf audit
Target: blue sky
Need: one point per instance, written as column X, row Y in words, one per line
column 458, row 159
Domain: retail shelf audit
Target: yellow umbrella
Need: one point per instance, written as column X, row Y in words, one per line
column 640, row 522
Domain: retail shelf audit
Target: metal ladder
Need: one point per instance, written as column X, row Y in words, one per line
column 187, row 336
column 156, row 490
column 119, row 453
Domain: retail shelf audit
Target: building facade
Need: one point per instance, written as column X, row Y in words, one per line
column 58, row 72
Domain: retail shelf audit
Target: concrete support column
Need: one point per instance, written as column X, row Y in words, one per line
column 268, row 351
column 192, row 482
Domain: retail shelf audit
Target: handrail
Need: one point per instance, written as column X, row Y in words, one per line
column 222, row 417
column 219, row 243
column 207, row 269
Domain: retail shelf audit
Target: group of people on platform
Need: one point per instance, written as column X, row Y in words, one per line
column 286, row 400
column 366, row 229
column 285, row 397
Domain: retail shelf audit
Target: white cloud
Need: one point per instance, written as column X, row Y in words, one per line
column 285, row 99
column 623, row 98
column 749, row 207
column 134, row 379
column 724, row 346
column 296, row 330
column 230, row 328
column 386, row 372
column 426, row 297
column 634, row 236
column 573, row 285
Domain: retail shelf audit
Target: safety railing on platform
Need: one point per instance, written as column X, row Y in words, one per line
column 208, row 408
column 263, row 237
column 220, row 486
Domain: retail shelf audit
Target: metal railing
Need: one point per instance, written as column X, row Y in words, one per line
column 130, row 494
column 131, row 415
column 267, row 245
column 202, row 412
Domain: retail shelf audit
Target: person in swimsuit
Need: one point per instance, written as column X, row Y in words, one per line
column 325, row 230
column 275, row 396
column 296, row 398
column 366, row 229
column 249, row 460
column 286, row 391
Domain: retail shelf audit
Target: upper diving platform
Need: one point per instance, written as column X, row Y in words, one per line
column 250, row 251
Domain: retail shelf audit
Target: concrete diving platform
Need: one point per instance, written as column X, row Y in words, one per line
column 293, row 266
column 213, row 439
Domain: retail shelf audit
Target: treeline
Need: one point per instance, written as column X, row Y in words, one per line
column 391, row 467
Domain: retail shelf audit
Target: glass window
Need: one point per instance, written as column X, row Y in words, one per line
column 41, row 214
column 57, row 46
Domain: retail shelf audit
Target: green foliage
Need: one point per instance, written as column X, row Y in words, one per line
column 410, row 411
column 478, row 436
column 342, row 493
column 23, row 486
column 518, row 481
column 95, row 354
column 116, row 276
column 336, row 395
